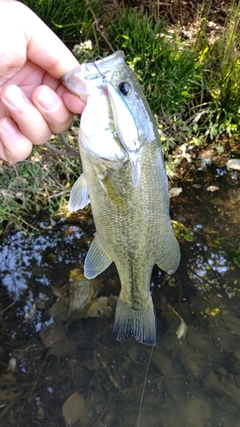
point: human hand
(33, 102)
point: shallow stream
(60, 364)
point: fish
(125, 181)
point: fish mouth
(92, 70)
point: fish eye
(125, 88)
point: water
(58, 368)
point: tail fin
(139, 323)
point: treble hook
(104, 79)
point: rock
(224, 386)
(232, 323)
(198, 412)
(195, 367)
(53, 333)
(162, 362)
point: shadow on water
(60, 364)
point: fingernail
(8, 127)
(14, 97)
(47, 99)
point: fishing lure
(126, 129)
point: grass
(71, 20)
(170, 75)
(169, 72)
(35, 186)
(222, 89)
(191, 85)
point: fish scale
(133, 227)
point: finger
(47, 50)
(14, 146)
(73, 102)
(52, 108)
(30, 121)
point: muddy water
(60, 364)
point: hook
(104, 79)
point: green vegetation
(71, 20)
(191, 83)
(35, 186)
(221, 89)
(170, 76)
(191, 86)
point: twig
(68, 147)
(37, 378)
(6, 409)
(97, 26)
(70, 151)
(7, 308)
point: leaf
(181, 331)
(7, 395)
(74, 409)
(234, 164)
(102, 306)
(175, 191)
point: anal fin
(96, 260)
(170, 259)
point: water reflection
(59, 369)
(25, 257)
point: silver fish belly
(126, 182)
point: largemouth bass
(124, 176)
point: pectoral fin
(96, 260)
(79, 195)
(169, 260)
(106, 180)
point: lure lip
(90, 70)
(67, 79)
